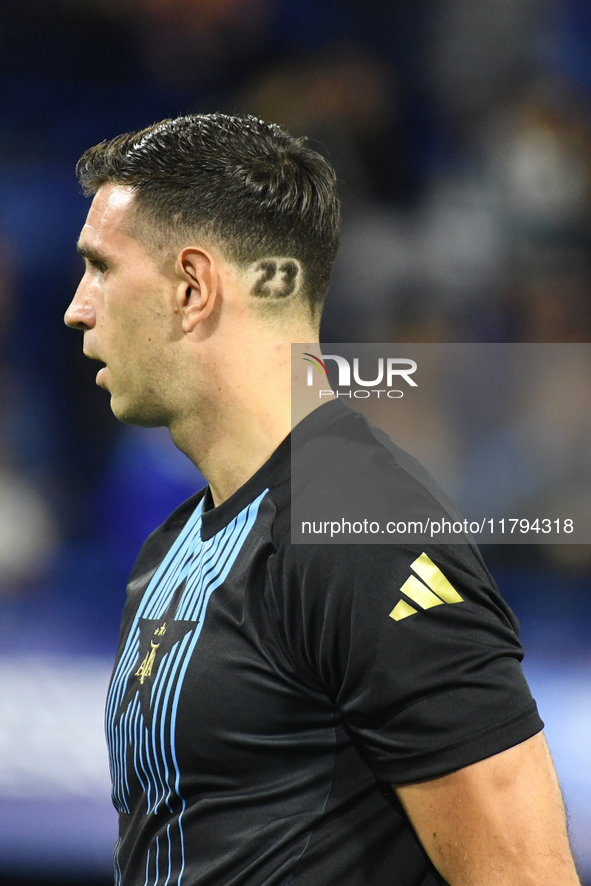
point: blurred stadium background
(461, 133)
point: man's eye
(97, 265)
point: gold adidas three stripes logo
(435, 591)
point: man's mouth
(102, 371)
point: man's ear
(198, 286)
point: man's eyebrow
(89, 253)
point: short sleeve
(415, 647)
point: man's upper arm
(499, 822)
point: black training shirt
(266, 694)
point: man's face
(124, 305)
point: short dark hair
(244, 184)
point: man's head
(266, 200)
(208, 248)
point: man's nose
(80, 313)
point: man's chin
(132, 414)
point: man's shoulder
(348, 470)
(347, 445)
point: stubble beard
(140, 407)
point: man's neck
(232, 448)
(248, 415)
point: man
(268, 721)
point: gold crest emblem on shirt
(145, 669)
